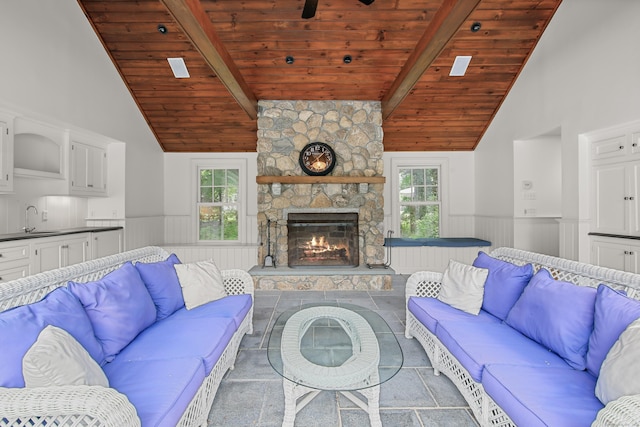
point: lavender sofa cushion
(429, 311)
(558, 315)
(613, 313)
(534, 396)
(233, 307)
(160, 390)
(161, 281)
(119, 307)
(504, 284)
(477, 344)
(22, 325)
(178, 338)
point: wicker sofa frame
(98, 406)
(624, 411)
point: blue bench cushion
(175, 338)
(477, 344)
(160, 390)
(233, 307)
(429, 311)
(534, 396)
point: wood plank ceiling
(401, 50)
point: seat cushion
(160, 390)
(504, 285)
(176, 338)
(233, 307)
(119, 307)
(534, 396)
(431, 310)
(477, 344)
(161, 281)
(613, 313)
(557, 314)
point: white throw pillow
(57, 359)
(462, 286)
(621, 368)
(201, 283)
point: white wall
(583, 75)
(180, 183)
(55, 69)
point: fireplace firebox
(323, 240)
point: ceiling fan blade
(309, 10)
(367, 2)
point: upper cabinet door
(610, 209)
(6, 157)
(88, 170)
(39, 149)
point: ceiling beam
(445, 23)
(195, 23)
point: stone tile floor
(251, 394)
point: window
(218, 204)
(420, 203)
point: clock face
(317, 158)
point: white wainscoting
(225, 257)
(407, 260)
(539, 235)
(496, 229)
(143, 231)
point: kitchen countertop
(21, 235)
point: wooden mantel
(320, 179)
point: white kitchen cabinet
(615, 207)
(55, 252)
(6, 156)
(14, 261)
(105, 243)
(619, 254)
(88, 175)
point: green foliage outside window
(217, 207)
(419, 202)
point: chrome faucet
(26, 227)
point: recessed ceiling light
(475, 27)
(289, 59)
(460, 65)
(179, 68)
(347, 59)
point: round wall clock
(317, 159)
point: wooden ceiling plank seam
(195, 23)
(444, 25)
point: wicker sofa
(167, 375)
(512, 380)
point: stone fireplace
(354, 130)
(322, 240)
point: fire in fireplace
(322, 239)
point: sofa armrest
(77, 405)
(237, 282)
(624, 411)
(423, 284)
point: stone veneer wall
(354, 130)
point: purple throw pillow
(20, 327)
(161, 281)
(119, 307)
(556, 314)
(504, 284)
(613, 313)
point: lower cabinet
(106, 243)
(55, 252)
(15, 262)
(619, 254)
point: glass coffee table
(333, 346)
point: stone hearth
(354, 130)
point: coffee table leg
(373, 403)
(293, 392)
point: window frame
(241, 166)
(443, 184)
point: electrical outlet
(114, 213)
(45, 216)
